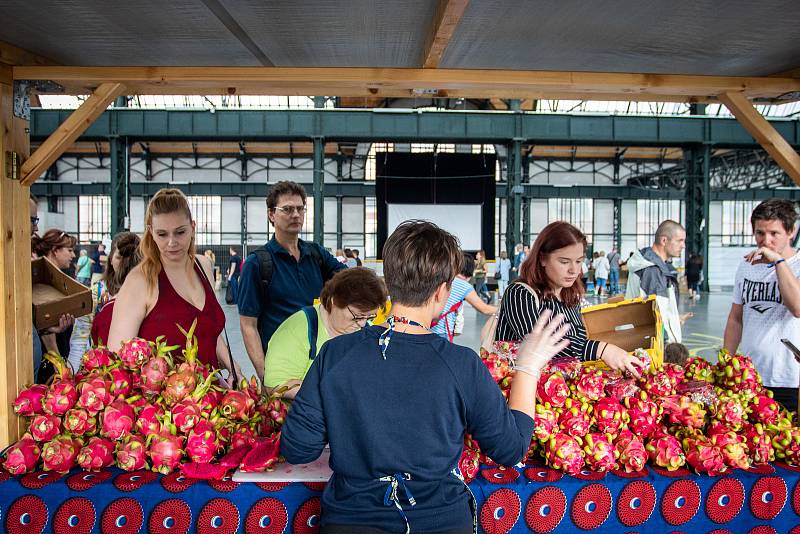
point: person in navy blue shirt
(299, 269)
(394, 402)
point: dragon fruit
(61, 396)
(148, 419)
(233, 458)
(703, 456)
(185, 414)
(165, 451)
(786, 444)
(600, 456)
(552, 389)
(758, 443)
(263, 455)
(575, 418)
(733, 448)
(154, 374)
(78, 422)
(498, 367)
(96, 358)
(29, 401)
(118, 420)
(179, 385)
(469, 463)
(764, 409)
(630, 452)
(237, 405)
(609, 415)
(202, 444)
(730, 410)
(211, 400)
(658, 383)
(60, 453)
(589, 384)
(96, 454)
(683, 412)
(699, 369)
(675, 372)
(563, 452)
(121, 382)
(203, 471)
(22, 456)
(131, 453)
(277, 409)
(643, 415)
(666, 452)
(243, 436)
(569, 366)
(134, 353)
(545, 421)
(737, 373)
(95, 394)
(621, 388)
(45, 427)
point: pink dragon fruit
(121, 382)
(131, 453)
(185, 414)
(600, 456)
(737, 373)
(135, 353)
(165, 452)
(632, 456)
(730, 410)
(95, 394)
(675, 372)
(609, 415)
(498, 367)
(699, 369)
(29, 401)
(44, 427)
(575, 418)
(733, 449)
(545, 421)
(154, 374)
(78, 422)
(118, 420)
(22, 456)
(96, 454)
(60, 453)
(666, 452)
(758, 444)
(563, 452)
(764, 409)
(703, 456)
(643, 415)
(96, 358)
(658, 383)
(621, 388)
(61, 396)
(568, 366)
(243, 436)
(469, 464)
(202, 444)
(237, 405)
(786, 444)
(277, 409)
(552, 389)
(683, 412)
(590, 384)
(211, 400)
(717, 427)
(148, 419)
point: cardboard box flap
(55, 294)
(630, 324)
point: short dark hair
(775, 209)
(676, 353)
(667, 229)
(285, 187)
(417, 258)
(467, 265)
(358, 287)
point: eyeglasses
(288, 210)
(361, 319)
(34, 220)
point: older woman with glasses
(348, 302)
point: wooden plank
(412, 82)
(448, 15)
(69, 131)
(763, 132)
(14, 55)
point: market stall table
(533, 498)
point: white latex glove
(545, 341)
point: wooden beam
(448, 15)
(763, 132)
(69, 131)
(406, 83)
(13, 55)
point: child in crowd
(676, 353)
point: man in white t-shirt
(766, 300)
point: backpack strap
(265, 270)
(317, 255)
(313, 329)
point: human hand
(618, 359)
(545, 341)
(686, 316)
(64, 322)
(762, 255)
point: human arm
(225, 359)
(476, 302)
(304, 434)
(733, 329)
(231, 270)
(125, 326)
(788, 282)
(250, 307)
(252, 343)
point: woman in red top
(170, 287)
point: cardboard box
(56, 294)
(629, 324)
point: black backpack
(265, 267)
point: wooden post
(16, 363)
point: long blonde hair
(163, 202)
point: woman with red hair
(550, 279)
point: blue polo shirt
(294, 284)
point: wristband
(528, 371)
(774, 263)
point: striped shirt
(519, 312)
(459, 290)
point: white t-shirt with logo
(765, 321)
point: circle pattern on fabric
(545, 509)
(306, 520)
(123, 516)
(75, 515)
(636, 503)
(267, 516)
(587, 474)
(175, 482)
(315, 486)
(170, 517)
(725, 500)
(500, 475)
(591, 506)
(225, 485)
(272, 486)
(83, 480)
(636, 474)
(720, 531)
(768, 497)
(133, 480)
(796, 498)
(678, 473)
(543, 474)
(795, 530)
(218, 516)
(4, 475)
(39, 479)
(762, 529)
(27, 515)
(680, 502)
(501, 511)
(788, 467)
(761, 469)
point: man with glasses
(283, 276)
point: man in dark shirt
(99, 258)
(298, 270)
(234, 270)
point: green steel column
(243, 232)
(697, 198)
(514, 195)
(617, 224)
(339, 237)
(120, 167)
(319, 183)
(704, 230)
(526, 202)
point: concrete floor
(702, 333)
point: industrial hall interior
(251, 252)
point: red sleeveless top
(171, 310)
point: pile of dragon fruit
(708, 417)
(149, 406)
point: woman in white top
(601, 270)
